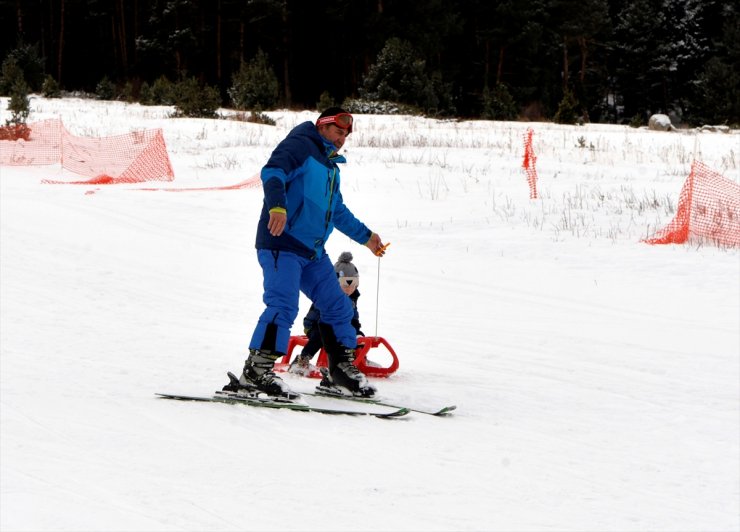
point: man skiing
(302, 206)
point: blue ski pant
(285, 275)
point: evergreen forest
(615, 61)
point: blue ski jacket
(302, 177)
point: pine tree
(716, 89)
(400, 75)
(255, 85)
(19, 105)
(637, 31)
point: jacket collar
(326, 147)
(333, 155)
(331, 151)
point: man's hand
(276, 224)
(376, 245)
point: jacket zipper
(332, 177)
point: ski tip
(179, 397)
(396, 413)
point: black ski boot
(346, 375)
(342, 372)
(258, 376)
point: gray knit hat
(344, 266)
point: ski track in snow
(596, 377)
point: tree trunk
(178, 52)
(500, 67)
(61, 41)
(565, 64)
(286, 55)
(584, 53)
(42, 38)
(48, 46)
(19, 17)
(241, 41)
(115, 42)
(486, 62)
(122, 35)
(218, 41)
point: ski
(271, 402)
(329, 392)
(328, 389)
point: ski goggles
(342, 120)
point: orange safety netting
(708, 208)
(529, 164)
(252, 182)
(129, 158)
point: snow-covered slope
(596, 377)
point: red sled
(364, 345)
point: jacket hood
(309, 130)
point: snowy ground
(596, 377)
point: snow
(596, 377)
